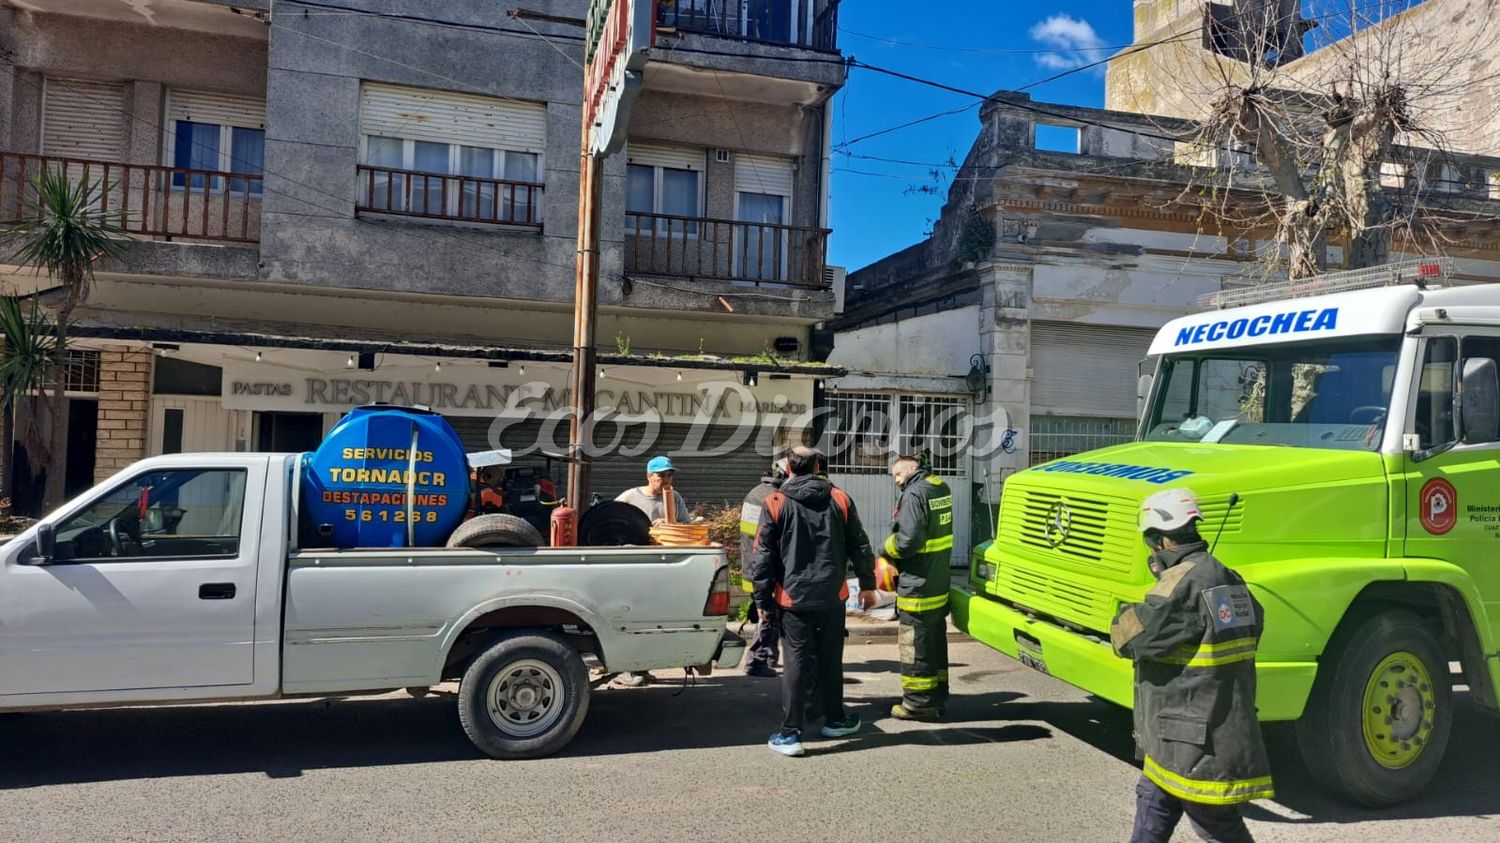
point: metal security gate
(867, 430)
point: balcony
(701, 248)
(170, 203)
(779, 22)
(439, 196)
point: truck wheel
(496, 530)
(524, 697)
(1381, 709)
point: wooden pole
(585, 306)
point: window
(1310, 395)
(181, 513)
(664, 191)
(207, 146)
(1434, 411)
(480, 199)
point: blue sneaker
(788, 745)
(842, 728)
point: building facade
(1068, 238)
(332, 203)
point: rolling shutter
(218, 109)
(757, 174)
(1085, 370)
(84, 120)
(444, 117)
(701, 480)
(675, 157)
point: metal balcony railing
(440, 196)
(763, 21)
(757, 253)
(151, 200)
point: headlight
(985, 571)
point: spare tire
(496, 530)
(612, 524)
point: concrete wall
(1445, 49)
(934, 345)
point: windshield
(1306, 395)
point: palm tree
(29, 356)
(63, 231)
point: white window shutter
(1085, 370)
(216, 109)
(445, 117)
(660, 155)
(83, 119)
(758, 174)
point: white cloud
(1075, 41)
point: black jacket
(921, 542)
(1193, 641)
(809, 534)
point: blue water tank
(357, 482)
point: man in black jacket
(809, 534)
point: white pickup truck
(180, 580)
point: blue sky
(873, 211)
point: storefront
(721, 427)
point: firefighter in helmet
(1193, 640)
(919, 548)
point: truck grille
(1043, 592)
(1097, 532)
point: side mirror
(46, 546)
(1479, 392)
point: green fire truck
(1343, 437)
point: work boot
(760, 669)
(901, 712)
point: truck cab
(1345, 448)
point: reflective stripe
(748, 528)
(1208, 792)
(921, 604)
(890, 547)
(1214, 654)
(933, 545)
(923, 683)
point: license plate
(1032, 660)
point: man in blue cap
(649, 498)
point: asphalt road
(1022, 758)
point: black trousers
(814, 644)
(923, 640)
(765, 646)
(1157, 813)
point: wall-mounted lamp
(978, 378)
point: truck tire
(1377, 723)
(524, 697)
(496, 530)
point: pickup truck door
(152, 585)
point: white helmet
(1169, 511)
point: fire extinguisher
(564, 526)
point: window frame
(664, 227)
(219, 184)
(498, 159)
(1459, 335)
(245, 484)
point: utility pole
(617, 35)
(585, 309)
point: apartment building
(333, 203)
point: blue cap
(658, 465)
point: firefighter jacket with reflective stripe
(809, 536)
(1193, 642)
(921, 543)
(750, 523)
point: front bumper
(1281, 687)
